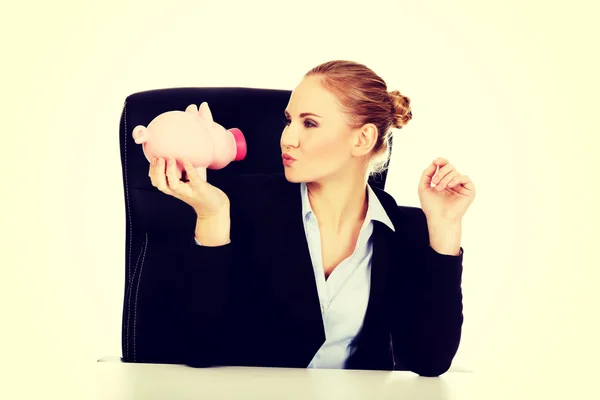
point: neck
(339, 204)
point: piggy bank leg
(201, 173)
(180, 171)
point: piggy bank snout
(240, 144)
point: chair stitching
(128, 218)
(137, 262)
(392, 352)
(137, 291)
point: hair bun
(401, 109)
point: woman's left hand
(452, 195)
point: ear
(192, 109)
(204, 112)
(365, 140)
(140, 134)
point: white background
(507, 91)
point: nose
(290, 137)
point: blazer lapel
(384, 245)
(372, 348)
(292, 281)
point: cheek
(322, 154)
(326, 147)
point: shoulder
(409, 221)
(398, 212)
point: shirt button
(322, 308)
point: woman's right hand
(206, 199)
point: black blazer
(254, 302)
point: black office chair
(149, 324)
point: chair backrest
(259, 114)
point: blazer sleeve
(427, 305)
(217, 286)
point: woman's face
(317, 138)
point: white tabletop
(118, 381)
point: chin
(291, 176)
(294, 175)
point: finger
(443, 183)
(457, 180)
(440, 162)
(173, 179)
(152, 171)
(462, 184)
(192, 174)
(151, 167)
(442, 172)
(160, 178)
(425, 182)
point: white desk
(120, 381)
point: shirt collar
(375, 211)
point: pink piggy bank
(193, 135)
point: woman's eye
(307, 123)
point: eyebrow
(304, 114)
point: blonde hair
(364, 98)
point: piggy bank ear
(140, 134)
(191, 109)
(205, 113)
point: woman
(318, 269)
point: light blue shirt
(345, 294)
